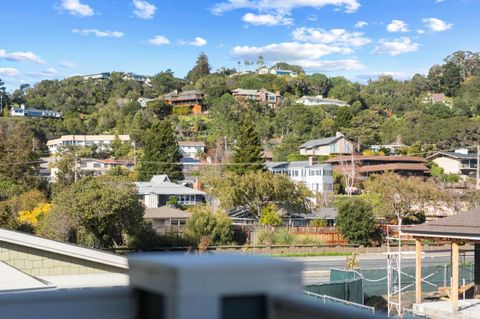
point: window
(96, 165)
(328, 172)
(186, 199)
(333, 148)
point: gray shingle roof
(295, 164)
(320, 142)
(454, 155)
(165, 212)
(160, 185)
(462, 226)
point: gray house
(337, 144)
(157, 192)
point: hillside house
(93, 166)
(319, 100)
(315, 176)
(192, 98)
(157, 192)
(337, 144)
(459, 162)
(29, 112)
(167, 218)
(261, 96)
(191, 149)
(278, 72)
(101, 141)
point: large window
(186, 199)
(333, 148)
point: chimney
(312, 160)
(197, 185)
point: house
(97, 76)
(191, 149)
(260, 96)
(139, 78)
(29, 112)
(458, 162)
(393, 147)
(157, 192)
(102, 141)
(277, 72)
(315, 176)
(143, 101)
(319, 100)
(167, 218)
(192, 98)
(363, 166)
(337, 144)
(433, 98)
(93, 166)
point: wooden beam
(454, 293)
(476, 272)
(418, 271)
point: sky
(358, 39)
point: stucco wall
(449, 165)
(42, 263)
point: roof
(361, 158)
(320, 142)
(191, 143)
(394, 167)
(325, 213)
(245, 91)
(116, 162)
(295, 164)
(321, 100)
(161, 185)
(438, 97)
(62, 248)
(453, 155)
(461, 226)
(165, 212)
(14, 279)
(190, 92)
(110, 138)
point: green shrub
(318, 222)
(270, 216)
(356, 222)
(182, 110)
(217, 226)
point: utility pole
(1, 102)
(478, 168)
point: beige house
(102, 141)
(260, 96)
(167, 218)
(338, 144)
(459, 162)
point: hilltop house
(459, 162)
(367, 165)
(316, 177)
(157, 192)
(191, 149)
(337, 144)
(278, 72)
(102, 141)
(260, 96)
(93, 166)
(29, 112)
(319, 100)
(193, 99)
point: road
(317, 269)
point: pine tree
(161, 154)
(200, 69)
(248, 149)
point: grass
(313, 254)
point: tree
(165, 82)
(201, 68)
(452, 79)
(204, 223)
(255, 190)
(161, 154)
(95, 211)
(3, 96)
(270, 216)
(356, 222)
(247, 155)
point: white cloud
(397, 26)
(333, 36)
(288, 51)
(267, 19)
(396, 46)
(11, 72)
(198, 42)
(158, 40)
(283, 5)
(144, 9)
(99, 33)
(21, 57)
(361, 24)
(50, 72)
(420, 31)
(68, 65)
(76, 8)
(436, 25)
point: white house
(337, 144)
(278, 72)
(29, 112)
(319, 100)
(316, 177)
(102, 141)
(92, 166)
(459, 162)
(157, 192)
(191, 149)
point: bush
(217, 226)
(270, 216)
(182, 110)
(281, 236)
(318, 222)
(356, 222)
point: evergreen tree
(200, 69)
(161, 154)
(248, 149)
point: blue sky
(359, 39)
